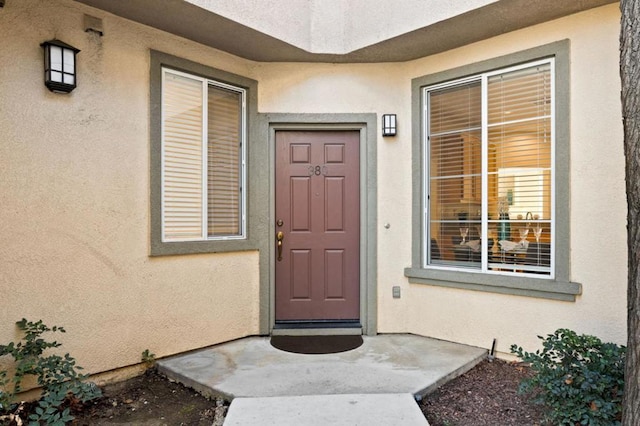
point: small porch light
(59, 66)
(388, 125)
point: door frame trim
(366, 124)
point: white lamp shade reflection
(56, 58)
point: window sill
(518, 286)
(159, 248)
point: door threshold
(316, 331)
(317, 328)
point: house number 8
(317, 170)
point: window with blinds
(202, 159)
(489, 170)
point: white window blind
(455, 165)
(202, 154)
(182, 158)
(490, 172)
(224, 163)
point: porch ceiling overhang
(474, 21)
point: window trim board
(519, 286)
(497, 283)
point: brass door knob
(279, 239)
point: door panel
(300, 201)
(317, 200)
(300, 274)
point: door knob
(280, 238)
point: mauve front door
(317, 226)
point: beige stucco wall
(74, 203)
(75, 197)
(338, 26)
(598, 206)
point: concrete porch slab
(384, 364)
(322, 410)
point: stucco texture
(598, 206)
(75, 193)
(75, 200)
(337, 26)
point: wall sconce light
(389, 125)
(59, 66)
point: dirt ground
(151, 400)
(486, 395)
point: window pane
(520, 95)
(520, 169)
(182, 158)
(454, 108)
(224, 162)
(455, 178)
(518, 151)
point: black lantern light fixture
(59, 66)
(389, 125)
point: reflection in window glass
(490, 172)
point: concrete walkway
(373, 384)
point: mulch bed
(486, 395)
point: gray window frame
(559, 288)
(158, 247)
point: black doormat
(316, 344)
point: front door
(317, 226)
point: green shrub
(5, 397)
(57, 375)
(148, 358)
(578, 378)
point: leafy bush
(57, 375)
(5, 397)
(580, 379)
